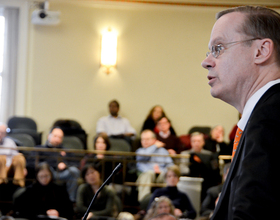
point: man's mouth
(211, 79)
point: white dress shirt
(8, 148)
(114, 125)
(251, 103)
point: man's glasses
(218, 49)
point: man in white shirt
(12, 163)
(244, 70)
(114, 125)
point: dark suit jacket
(251, 190)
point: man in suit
(244, 70)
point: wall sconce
(109, 49)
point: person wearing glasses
(244, 70)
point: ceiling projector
(45, 17)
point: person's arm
(129, 130)
(143, 164)
(145, 151)
(100, 126)
(80, 201)
(188, 211)
(108, 210)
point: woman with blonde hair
(160, 205)
(180, 200)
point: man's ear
(264, 50)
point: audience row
(68, 170)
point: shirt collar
(251, 103)
(164, 135)
(110, 116)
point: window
(2, 34)
(9, 20)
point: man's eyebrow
(216, 41)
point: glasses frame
(217, 49)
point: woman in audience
(160, 205)
(43, 198)
(106, 204)
(181, 202)
(151, 121)
(101, 143)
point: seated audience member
(167, 140)
(216, 143)
(160, 205)
(102, 143)
(209, 203)
(148, 166)
(12, 163)
(202, 163)
(114, 125)
(67, 170)
(151, 121)
(181, 202)
(106, 204)
(43, 198)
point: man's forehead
(226, 28)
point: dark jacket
(37, 199)
(251, 190)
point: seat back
(202, 129)
(22, 123)
(24, 140)
(119, 145)
(72, 142)
(71, 127)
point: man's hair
(175, 169)
(56, 127)
(196, 133)
(260, 22)
(149, 131)
(162, 118)
(116, 102)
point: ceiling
(204, 3)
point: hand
(90, 215)
(156, 168)
(53, 212)
(159, 144)
(63, 153)
(178, 212)
(171, 151)
(128, 134)
(61, 166)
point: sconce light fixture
(109, 49)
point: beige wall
(160, 50)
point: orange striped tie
(238, 135)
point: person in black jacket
(180, 200)
(244, 71)
(44, 198)
(64, 165)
